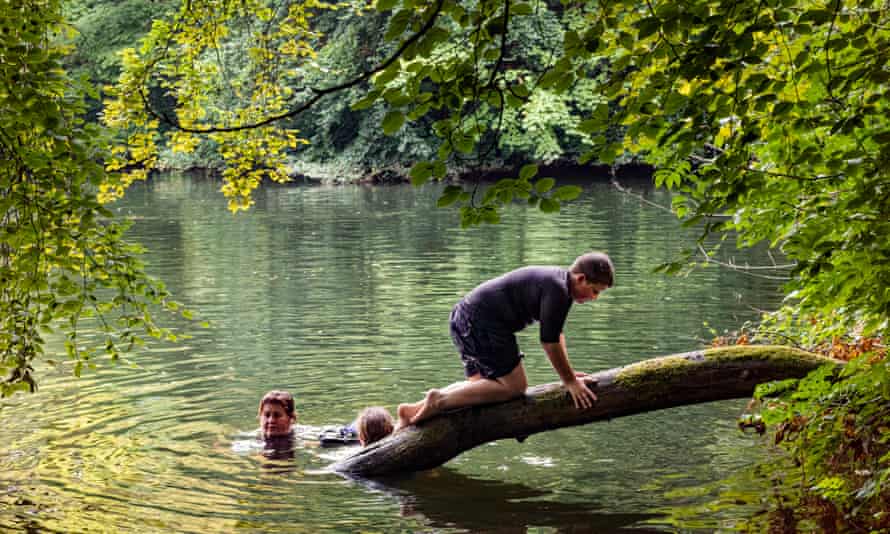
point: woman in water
(276, 414)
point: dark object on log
(334, 436)
(690, 378)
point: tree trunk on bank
(690, 378)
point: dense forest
(345, 141)
(768, 120)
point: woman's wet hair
(281, 398)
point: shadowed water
(341, 295)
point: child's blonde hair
(374, 424)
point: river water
(342, 295)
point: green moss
(649, 375)
(780, 355)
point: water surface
(341, 295)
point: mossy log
(677, 380)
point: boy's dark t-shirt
(516, 299)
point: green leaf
(397, 24)
(519, 90)
(439, 169)
(544, 184)
(490, 216)
(566, 193)
(421, 172)
(551, 78)
(387, 75)
(648, 26)
(464, 143)
(548, 205)
(522, 9)
(386, 5)
(392, 122)
(448, 197)
(396, 98)
(528, 171)
(608, 154)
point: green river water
(342, 295)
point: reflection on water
(341, 296)
(447, 499)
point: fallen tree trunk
(690, 378)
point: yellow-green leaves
(218, 101)
(64, 262)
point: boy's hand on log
(586, 378)
(581, 394)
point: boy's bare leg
(476, 390)
(407, 411)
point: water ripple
(342, 296)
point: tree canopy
(63, 259)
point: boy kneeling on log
(484, 325)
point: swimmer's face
(274, 420)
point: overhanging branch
(318, 94)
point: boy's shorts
(484, 351)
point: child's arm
(559, 359)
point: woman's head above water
(276, 414)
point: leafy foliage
(837, 426)
(775, 115)
(433, 49)
(768, 119)
(63, 260)
(102, 28)
(190, 59)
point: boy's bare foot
(431, 406)
(405, 413)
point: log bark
(676, 380)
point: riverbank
(323, 174)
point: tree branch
(695, 377)
(318, 93)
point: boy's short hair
(374, 424)
(596, 267)
(281, 398)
